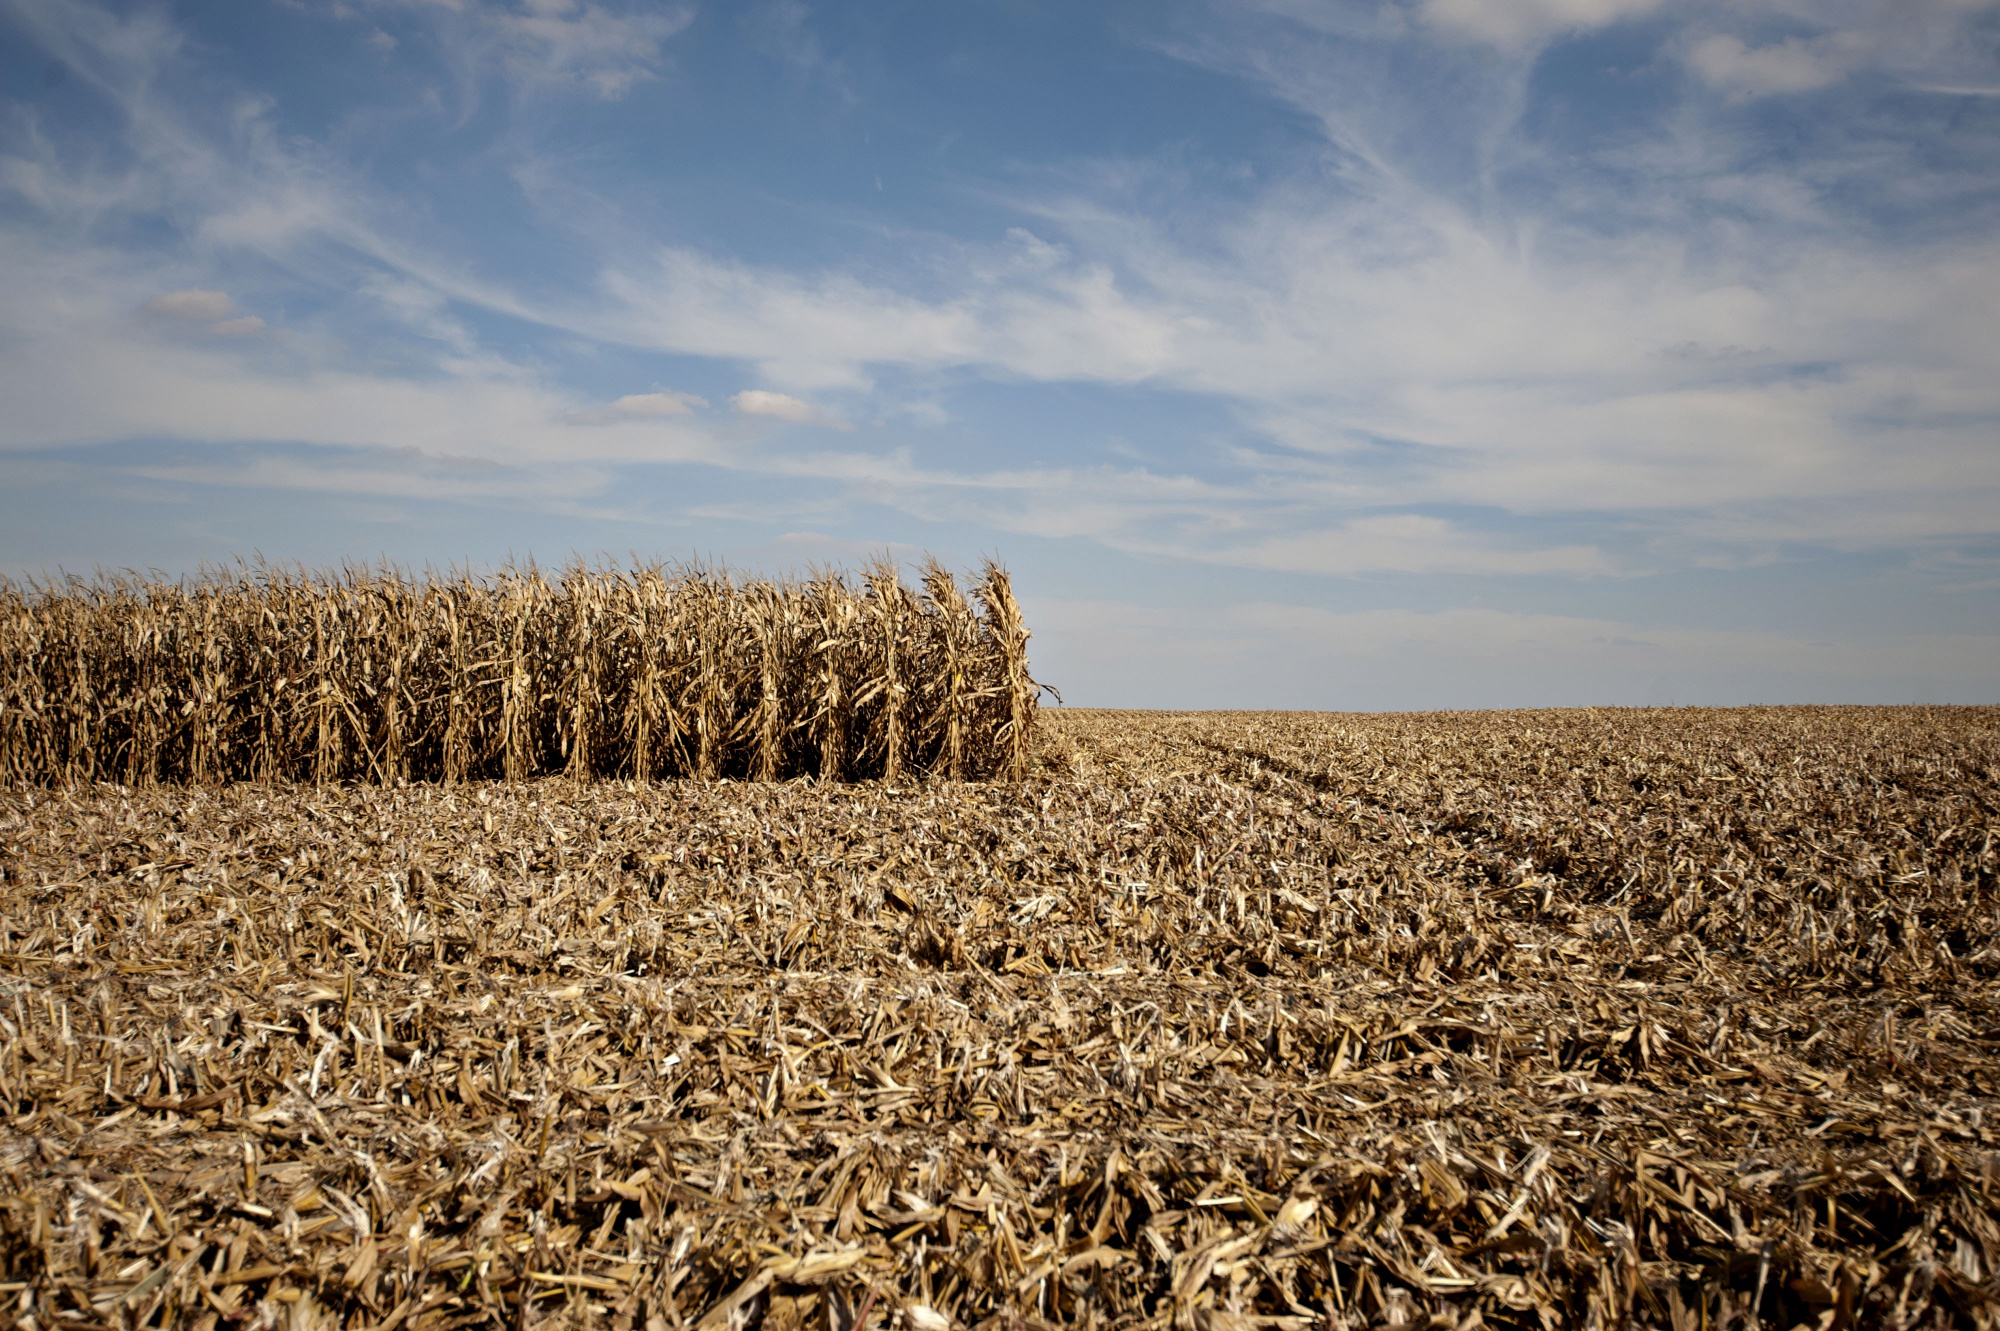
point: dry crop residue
(1679, 1018)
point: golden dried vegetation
(1683, 1019)
(369, 675)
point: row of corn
(266, 674)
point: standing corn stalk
(889, 605)
(209, 718)
(1017, 687)
(455, 745)
(399, 620)
(707, 611)
(581, 685)
(325, 689)
(268, 641)
(364, 636)
(955, 632)
(521, 601)
(834, 616)
(147, 702)
(772, 616)
(368, 675)
(79, 701)
(25, 751)
(648, 706)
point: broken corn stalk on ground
(1679, 1019)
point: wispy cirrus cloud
(607, 49)
(1413, 543)
(1537, 292)
(604, 48)
(1608, 380)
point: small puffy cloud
(1518, 24)
(213, 309)
(194, 304)
(645, 406)
(782, 406)
(640, 407)
(758, 402)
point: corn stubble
(649, 673)
(1681, 1019)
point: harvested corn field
(370, 675)
(1680, 1018)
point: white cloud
(1384, 345)
(640, 407)
(1411, 543)
(1792, 65)
(1925, 45)
(801, 331)
(82, 372)
(1023, 304)
(1537, 383)
(1518, 24)
(646, 406)
(202, 306)
(779, 406)
(385, 473)
(543, 44)
(212, 309)
(606, 49)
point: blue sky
(1404, 354)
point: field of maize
(1678, 1018)
(371, 675)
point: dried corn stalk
(266, 674)
(1588, 1018)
